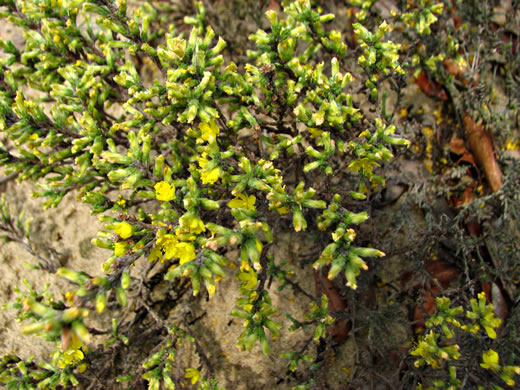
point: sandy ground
(68, 229)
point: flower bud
(312, 165)
(314, 204)
(125, 280)
(369, 252)
(121, 296)
(209, 204)
(299, 221)
(353, 218)
(101, 302)
(75, 277)
(81, 331)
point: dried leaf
(486, 288)
(443, 272)
(340, 330)
(428, 306)
(482, 149)
(431, 88)
(452, 68)
(457, 146)
(459, 73)
(274, 5)
(457, 22)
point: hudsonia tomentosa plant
(208, 156)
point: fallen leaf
(430, 88)
(452, 68)
(474, 227)
(340, 330)
(428, 306)
(459, 73)
(457, 22)
(482, 149)
(274, 5)
(457, 146)
(443, 272)
(486, 289)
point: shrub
(216, 153)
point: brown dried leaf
(457, 146)
(459, 73)
(431, 88)
(340, 330)
(482, 149)
(274, 5)
(428, 305)
(443, 272)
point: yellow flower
(164, 191)
(124, 230)
(168, 245)
(73, 353)
(70, 357)
(69, 296)
(203, 159)
(185, 252)
(120, 248)
(363, 164)
(193, 374)
(209, 131)
(512, 145)
(490, 360)
(242, 201)
(155, 254)
(211, 176)
(249, 279)
(282, 210)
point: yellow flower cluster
(178, 245)
(168, 246)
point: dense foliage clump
(198, 153)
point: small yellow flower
(210, 177)
(282, 210)
(209, 131)
(203, 159)
(366, 165)
(193, 375)
(155, 254)
(490, 360)
(120, 248)
(512, 145)
(212, 288)
(168, 244)
(242, 201)
(69, 296)
(164, 191)
(185, 252)
(124, 230)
